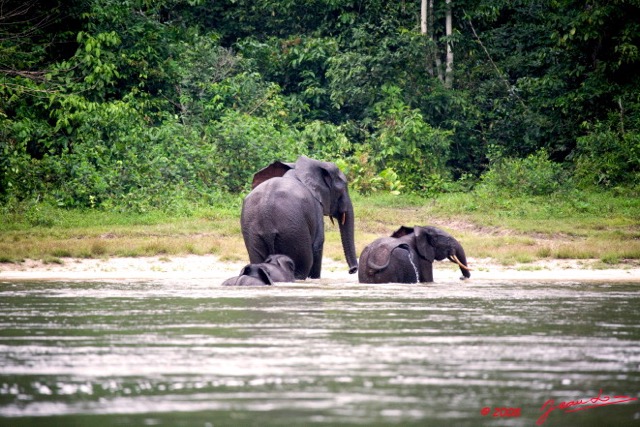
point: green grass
(511, 231)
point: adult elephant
(407, 256)
(283, 214)
(276, 268)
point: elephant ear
(285, 263)
(274, 170)
(424, 244)
(380, 252)
(402, 231)
(258, 272)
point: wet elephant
(283, 214)
(276, 268)
(407, 256)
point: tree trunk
(434, 46)
(448, 82)
(425, 28)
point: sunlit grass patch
(524, 258)
(98, 248)
(232, 249)
(233, 257)
(4, 259)
(191, 249)
(529, 268)
(575, 252)
(157, 247)
(544, 252)
(52, 260)
(610, 259)
(61, 252)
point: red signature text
(581, 405)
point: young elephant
(407, 256)
(276, 268)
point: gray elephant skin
(407, 256)
(276, 268)
(283, 214)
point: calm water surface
(194, 354)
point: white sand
(209, 267)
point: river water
(189, 353)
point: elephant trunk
(346, 222)
(462, 261)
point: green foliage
(246, 144)
(127, 164)
(607, 159)
(140, 105)
(326, 141)
(364, 178)
(298, 64)
(407, 144)
(535, 175)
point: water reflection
(194, 354)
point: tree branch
(498, 71)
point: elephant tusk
(344, 217)
(331, 219)
(457, 261)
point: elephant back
(379, 252)
(388, 260)
(244, 280)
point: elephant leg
(259, 246)
(365, 273)
(426, 271)
(316, 267)
(317, 249)
(296, 244)
(403, 266)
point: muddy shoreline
(210, 267)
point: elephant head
(328, 185)
(276, 268)
(435, 244)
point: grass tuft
(52, 260)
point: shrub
(325, 141)
(363, 177)
(604, 158)
(534, 175)
(406, 143)
(246, 144)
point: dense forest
(136, 104)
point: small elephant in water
(407, 256)
(276, 268)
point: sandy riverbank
(209, 267)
